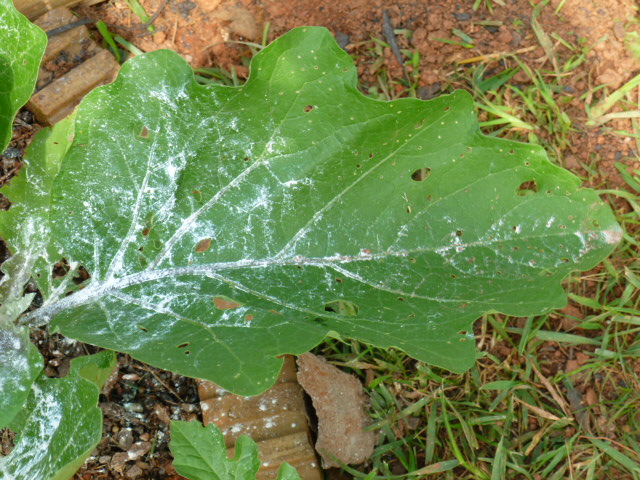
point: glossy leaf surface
(22, 45)
(60, 424)
(224, 226)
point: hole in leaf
(187, 353)
(143, 329)
(183, 345)
(308, 108)
(342, 307)
(421, 174)
(60, 269)
(339, 280)
(225, 303)
(81, 276)
(246, 159)
(203, 245)
(527, 188)
(458, 233)
(371, 155)
(400, 299)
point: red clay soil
(204, 32)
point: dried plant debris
(339, 401)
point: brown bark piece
(35, 8)
(339, 401)
(276, 420)
(60, 97)
(73, 44)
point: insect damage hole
(308, 108)
(421, 174)
(342, 307)
(527, 188)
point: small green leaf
(60, 424)
(22, 45)
(301, 208)
(20, 365)
(200, 454)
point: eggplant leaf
(60, 424)
(20, 365)
(200, 454)
(22, 45)
(224, 226)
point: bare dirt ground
(141, 400)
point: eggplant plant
(209, 229)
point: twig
(390, 36)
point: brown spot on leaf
(249, 317)
(144, 133)
(203, 245)
(225, 303)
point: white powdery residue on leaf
(13, 359)
(611, 237)
(47, 417)
(297, 182)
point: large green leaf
(60, 424)
(200, 454)
(224, 226)
(22, 45)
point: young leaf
(224, 226)
(200, 454)
(60, 424)
(22, 45)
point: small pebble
(342, 39)
(463, 16)
(12, 152)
